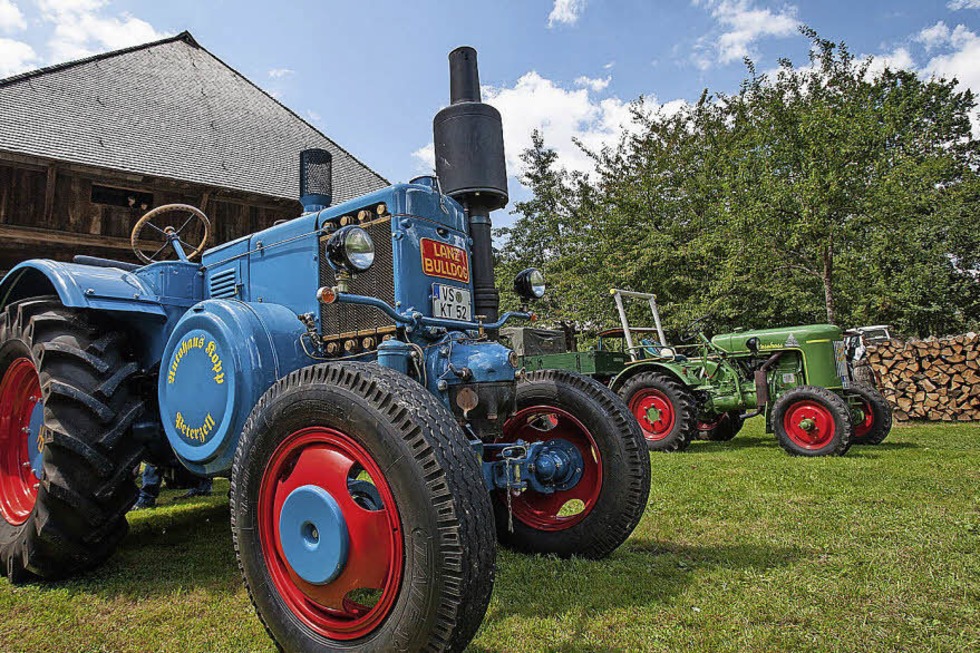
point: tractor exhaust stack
(315, 180)
(470, 164)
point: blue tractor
(342, 369)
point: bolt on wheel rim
(561, 509)
(809, 424)
(21, 440)
(343, 593)
(655, 413)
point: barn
(88, 146)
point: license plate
(451, 303)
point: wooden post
(49, 189)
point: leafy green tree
(823, 192)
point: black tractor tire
(88, 453)
(880, 412)
(829, 430)
(682, 421)
(727, 427)
(436, 482)
(625, 465)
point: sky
(372, 74)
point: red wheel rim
(655, 413)
(327, 458)
(20, 394)
(543, 511)
(862, 429)
(809, 424)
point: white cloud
(742, 23)
(562, 115)
(566, 12)
(313, 116)
(596, 84)
(279, 73)
(83, 27)
(898, 59)
(11, 19)
(956, 5)
(962, 61)
(16, 57)
(425, 156)
(933, 37)
(609, 66)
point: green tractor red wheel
(812, 421)
(594, 516)
(722, 428)
(359, 514)
(653, 410)
(664, 408)
(872, 415)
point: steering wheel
(694, 328)
(170, 236)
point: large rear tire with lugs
(359, 515)
(67, 405)
(596, 515)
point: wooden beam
(33, 236)
(49, 188)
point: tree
(831, 191)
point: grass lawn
(742, 549)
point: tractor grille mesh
(347, 320)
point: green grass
(742, 549)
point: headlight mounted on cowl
(529, 284)
(350, 249)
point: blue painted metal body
(545, 467)
(221, 332)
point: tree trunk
(828, 283)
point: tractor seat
(653, 348)
(97, 262)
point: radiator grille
(346, 320)
(224, 284)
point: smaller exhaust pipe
(315, 180)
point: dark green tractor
(799, 378)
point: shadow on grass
(172, 550)
(642, 574)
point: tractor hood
(781, 338)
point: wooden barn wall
(23, 193)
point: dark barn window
(121, 197)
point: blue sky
(371, 74)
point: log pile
(933, 379)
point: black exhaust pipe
(470, 164)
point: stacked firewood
(933, 379)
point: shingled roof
(168, 109)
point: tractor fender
(220, 359)
(81, 286)
(679, 372)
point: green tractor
(798, 377)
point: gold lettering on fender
(197, 342)
(198, 434)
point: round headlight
(529, 284)
(351, 249)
